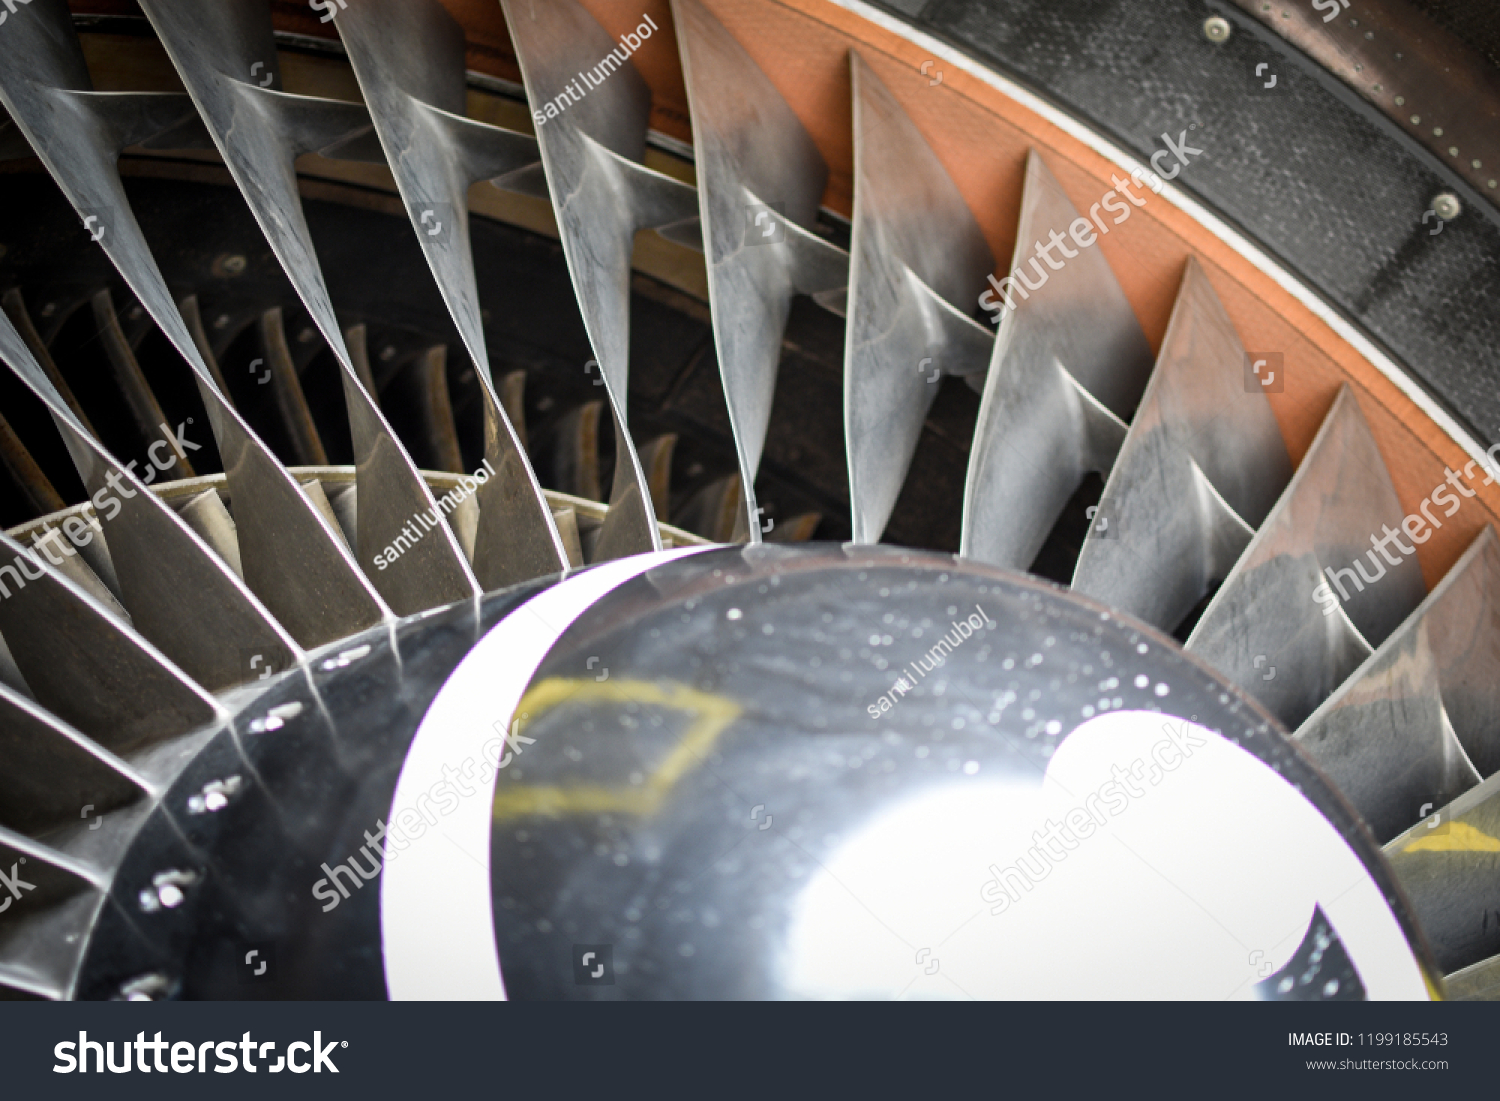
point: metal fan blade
(207, 515)
(182, 596)
(193, 318)
(145, 410)
(567, 524)
(513, 401)
(1463, 628)
(917, 261)
(1201, 467)
(408, 56)
(1054, 431)
(1479, 982)
(42, 936)
(20, 317)
(1267, 616)
(1387, 738)
(760, 180)
(602, 195)
(286, 386)
(591, 152)
(1036, 436)
(575, 452)
(56, 548)
(357, 340)
(304, 572)
(714, 511)
(656, 460)
(86, 666)
(436, 408)
(798, 529)
(27, 473)
(630, 525)
(293, 561)
(1449, 866)
(52, 770)
(260, 131)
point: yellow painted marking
(1459, 837)
(712, 714)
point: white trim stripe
(437, 921)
